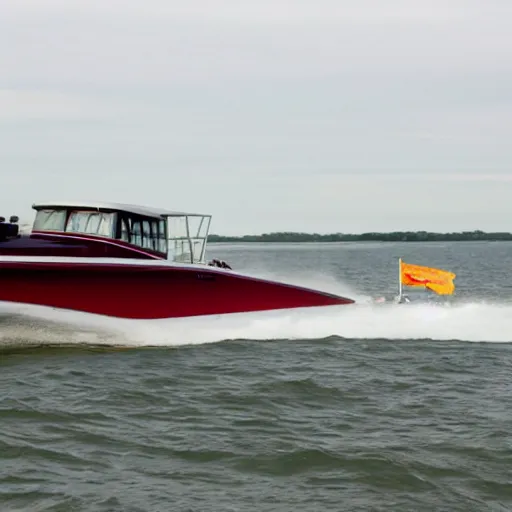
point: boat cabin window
(162, 236)
(144, 232)
(146, 235)
(125, 230)
(50, 220)
(91, 223)
(135, 232)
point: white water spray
(477, 322)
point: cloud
(18, 105)
(264, 11)
(286, 114)
(157, 43)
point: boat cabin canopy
(178, 236)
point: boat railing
(187, 236)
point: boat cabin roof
(118, 207)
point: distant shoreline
(395, 236)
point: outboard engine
(9, 229)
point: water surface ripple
(320, 423)
(244, 425)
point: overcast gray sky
(318, 115)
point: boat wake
(473, 322)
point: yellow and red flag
(435, 279)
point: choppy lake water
(369, 408)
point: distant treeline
(395, 236)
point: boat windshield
(50, 220)
(78, 221)
(186, 237)
(92, 223)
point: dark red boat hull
(149, 291)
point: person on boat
(219, 263)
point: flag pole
(399, 279)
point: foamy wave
(475, 322)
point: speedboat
(133, 262)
